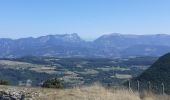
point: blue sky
(88, 18)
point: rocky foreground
(95, 92)
(19, 93)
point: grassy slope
(95, 92)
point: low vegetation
(4, 82)
(94, 92)
(53, 83)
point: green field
(74, 71)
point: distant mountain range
(71, 45)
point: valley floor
(95, 92)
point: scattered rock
(13, 94)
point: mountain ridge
(72, 45)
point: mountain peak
(71, 36)
(74, 37)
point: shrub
(4, 82)
(53, 83)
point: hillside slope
(157, 74)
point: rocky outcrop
(11, 95)
(18, 94)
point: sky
(88, 18)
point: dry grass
(151, 96)
(95, 92)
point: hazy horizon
(85, 38)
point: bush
(3, 82)
(53, 83)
